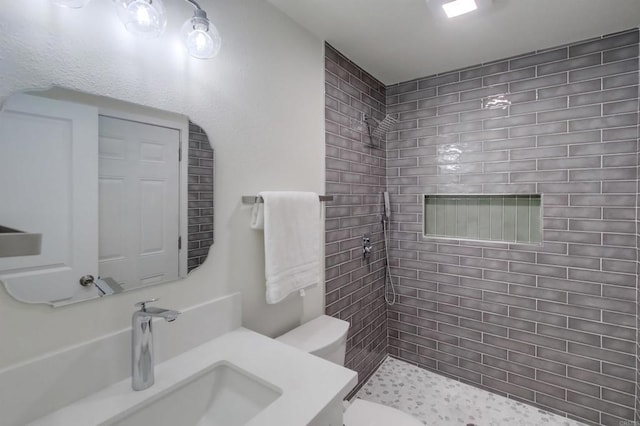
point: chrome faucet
(142, 364)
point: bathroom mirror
(120, 196)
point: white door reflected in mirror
(139, 220)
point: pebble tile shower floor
(439, 401)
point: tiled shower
(355, 176)
(552, 324)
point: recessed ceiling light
(459, 7)
(444, 9)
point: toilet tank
(324, 336)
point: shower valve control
(367, 247)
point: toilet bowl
(326, 337)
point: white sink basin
(239, 378)
(223, 395)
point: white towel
(292, 230)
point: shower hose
(389, 289)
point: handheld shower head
(387, 206)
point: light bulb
(142, 16)
(201, 41)
(74, 4)
(201, 36)
(145, 18)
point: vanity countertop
(308, 383)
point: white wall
(260, 101)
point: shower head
(379, 129)
(384, 127)
(387, 206)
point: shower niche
(509, 218)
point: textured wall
(201, 190)
(260, 142)
(553, 325)
(355, 176)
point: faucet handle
(143, 305)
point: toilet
(326, 337)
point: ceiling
(399, 40)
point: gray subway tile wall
(556, 325)
(200, 193)
(627, 243)
(355, 176)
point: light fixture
(147, 18)
(451, 8)
(459, 7)
(200, 35)
(74, 4)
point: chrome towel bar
(252, 199)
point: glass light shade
(146, 18)
(201, 37)
(74, 4)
